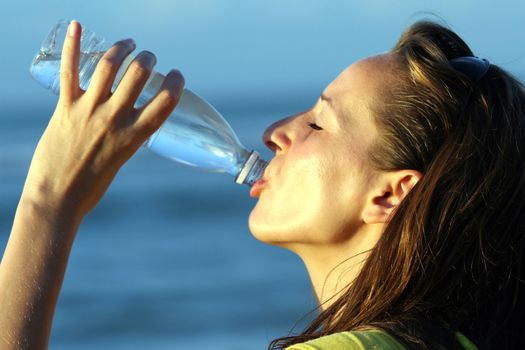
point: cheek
(291, 201)
(302, 204)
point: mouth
(259, 185)
(257, 188)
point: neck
(333, 267)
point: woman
(402, 190)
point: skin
(321, 198)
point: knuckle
(167, 100)
(138, 68)
(117, 110)
(66, 74)
(107, 65)
(143, 63)
(102, 124)
(149, 128)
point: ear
(386, 194)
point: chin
(265, 231)
(259, 230)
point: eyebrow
(330, 102)
(327, 99)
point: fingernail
(131, 42)
(149, 57)
(178, 82)
(178, 74)
(73, 28)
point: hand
(93, 133)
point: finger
(131, 85)
(154, 113)
(69, 87)
(107, 68)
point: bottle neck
(252, 170)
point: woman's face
(315, 188)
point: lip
(257, 188)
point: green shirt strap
(465, 342)
(374, 339)
(354, 340)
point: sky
(245, 51)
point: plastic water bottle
(194, 134)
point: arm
(89, 137)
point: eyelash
(314, 126)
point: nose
(277, 136)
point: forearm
(32, 271)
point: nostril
(276, 136)
(272, 145)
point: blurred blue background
(166, 260)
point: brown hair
(450, 258)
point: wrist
(51, 203)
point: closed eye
(314, 126)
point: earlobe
(389, 192)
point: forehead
(359, 87)
(364, 78)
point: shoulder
(374, 339)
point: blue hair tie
(473, 67)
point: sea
(166, 260)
